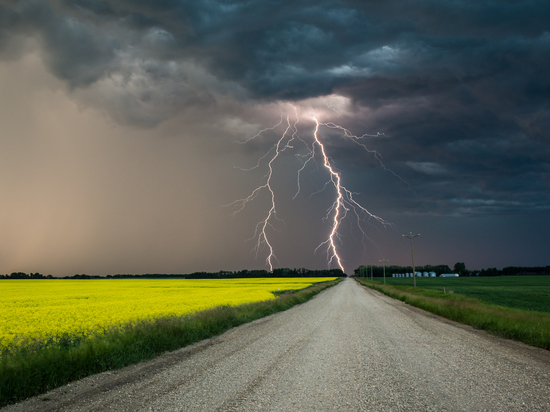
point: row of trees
(516, 271)
(378, 271)
(22, 275)
(459, 267)
(277, 273)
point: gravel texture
(347, 349)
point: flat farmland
(519, 292)
(349, 348)
(50, 311)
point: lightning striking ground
(343, 203)
(260, 233)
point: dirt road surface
(348, 349)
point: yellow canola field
(48, 309)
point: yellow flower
(48, 309)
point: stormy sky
(123, 122)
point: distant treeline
(378, 271)
(21, 275)
(277, 273)
(460, 268)
(516, 271)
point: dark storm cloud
(294, 50)
(75, 51)
(453, 85)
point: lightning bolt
(344, 201)
(337, 207)
(343, 204)
(377, 156)
(260, 233)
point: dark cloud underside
(459, 90)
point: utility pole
(384, 263)
(371, 271)
(411, 236)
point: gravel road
(347, 349)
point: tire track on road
(347, 349)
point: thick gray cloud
(458, 90)
(374, 52)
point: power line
(411, 236)
(384, 263)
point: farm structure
(410, 275)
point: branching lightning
(260, 233)
(344, 201)
(343, 204)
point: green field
(520, 292)
(528, 326)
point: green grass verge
(529, 327)
(520, 292)
(37, 368)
